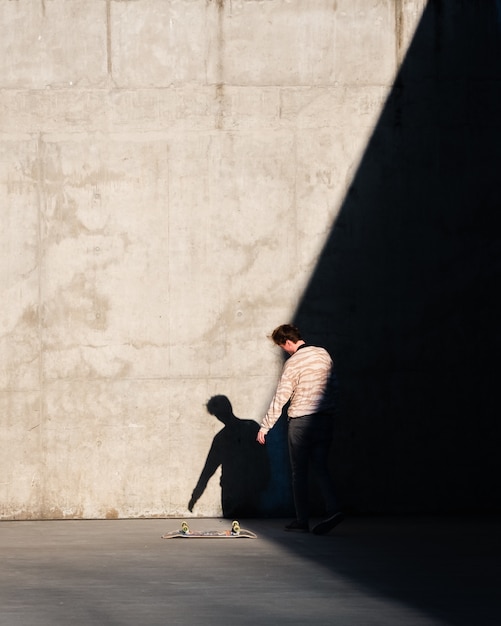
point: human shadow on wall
(405, 295)
(243, 462)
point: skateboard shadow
(244, 463)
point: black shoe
(297, 527)
(328, 524)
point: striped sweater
(307, 381)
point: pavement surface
(417, 571)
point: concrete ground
(387, 571)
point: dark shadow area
(405, 295)
(244, 463)
(277, 499)
(434, 570)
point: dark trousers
(309, 438)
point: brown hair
(284, 332)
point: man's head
(287, 337)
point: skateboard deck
(234, 533)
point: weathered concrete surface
(168, 174)
(384, 571)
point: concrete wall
(170, 171)
(406, 290)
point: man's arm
(282, 395)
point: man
(308, 383)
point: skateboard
(234, 533)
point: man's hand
(261, 437)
